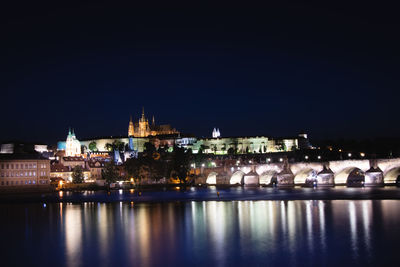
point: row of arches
(351, 176)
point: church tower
(130, 128)
(144, 129)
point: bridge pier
(346, 172)
(325, 178)
(285, 178)
(373, 176)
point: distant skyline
(331, 70)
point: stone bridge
(374, 172)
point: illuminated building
(243, 145)
(216, 133)
(59, 170)
(143, 129)
(72, 145)
(24, 170)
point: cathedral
(143, 128)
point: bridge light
(281, 159)
(268, 160)
(202, 165)
(340, 150)
(349, 155)
(319, 157)
(362, 154)
(306, 157)
(250, 161)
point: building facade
(72, 145)
(242, 145)
(60, 171)
(144, 129)
(24, 170)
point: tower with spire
(72, 144)
(131, 131)
(216, 133)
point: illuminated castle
(142, 128)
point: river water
(202, 233)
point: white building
(72, 145)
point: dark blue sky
(331, 70)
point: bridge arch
(350, 176)
(237, 177)
(266, 177)
(212, 178)
(392, 176)
(305, 176)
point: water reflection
(211, 233)
(73, 235)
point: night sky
(331, 70)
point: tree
(77, 175)
(118, 145)
(93, 146)
(223, 149)
(149, 148)
(231, 151)
(214, 148)
(109, 173)
(109, 147)
(180, 164)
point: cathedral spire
(143, 117)
(131, 130)
(153, 121)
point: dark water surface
(209, 193)
(202, 233)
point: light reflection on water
(215, 233)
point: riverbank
(211, 193)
